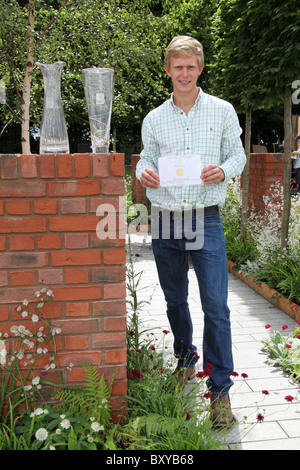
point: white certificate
(180, 170)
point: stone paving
(280, 429)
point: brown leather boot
(183, 374)
(221, 414)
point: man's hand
(150, 179)
(212, 174)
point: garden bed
(277, 299)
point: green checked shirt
(210, 130)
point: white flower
(25, 302)
(41, 434)
(97, 427)
(38, 411)
(37, 293)
(3, 353)
(24, 314)
(35, 318)
(50, 293)
(36, 380)
(65, 424)
(27, 388)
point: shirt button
(187, 129)
(188, 148)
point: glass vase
(53, 134)
(98, 87)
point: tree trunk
(245, 190)
(25, 105)
(287, 166)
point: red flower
(289, 398)
(209, 366)
(131, 333)
(129, 376)
(244, 375)
(284, 327)
(151, 356)
(137, 373)
(298, 322)
(138, 350)
(288, 346)
(260, 417)
(268, 326)
(207, 395)
(188, 416)
(234, 374)
(201, 375)
(152, 347)
(165, 332)
(265, 392)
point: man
(193, 123)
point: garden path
(280, 429)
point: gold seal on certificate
(177, 170)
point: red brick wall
(48, 238)
(265, 170)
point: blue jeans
(210, 265)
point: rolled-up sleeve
(150, 153)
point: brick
(77, 293)
(113, 186)
(74, 188)
(22, 225)
(23, 260)
(50, 276)
(76, 240)
(3, 278)
(73, 224)
(105, 340)
(9, 166)
(77, 309)
(114, 256)
(76, 276)
(22, 278)
(115, 356)
(64, 164)
(47, 166)
(45, 206)
(21, 242)
(100, 165)
(28, 166)
(18, 207)
(109, 307)
(115, 324)
(22, 189)
(114, 291)
(76, 342)
(80, 326)
(76, 357)
(2, 243)
(4, 314)
(73, 206)
(117, 164)
(82, 165)
(75, 258)
(49, 241)
(109, 274)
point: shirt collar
(197, 102)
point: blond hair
(184, 45)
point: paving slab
(250, 313)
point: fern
(155, 424)
(91, 399)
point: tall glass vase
(53, 135)
(98, 86)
